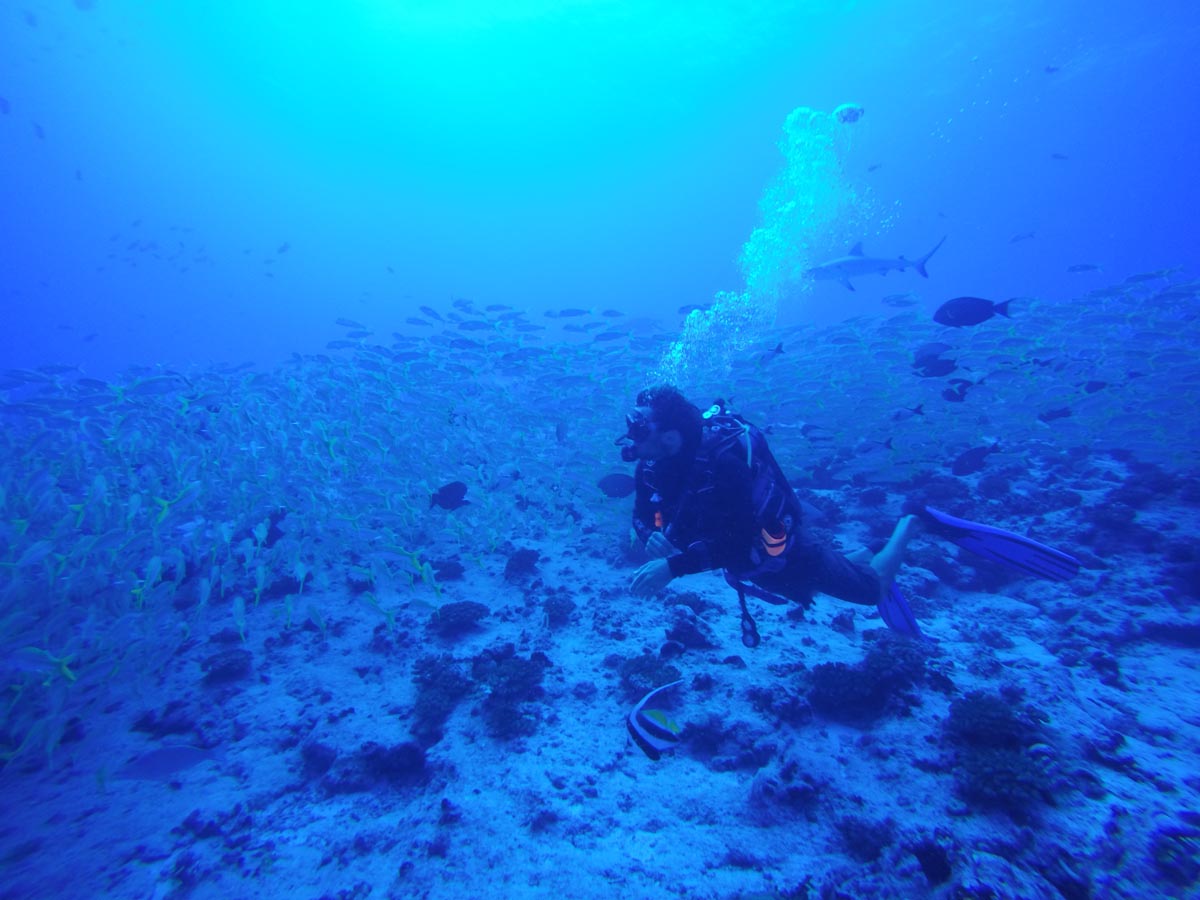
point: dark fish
(341, 345)
(39, 131)
(928, 362)
(1083, 267)
(899, 301)
(935, 367)
(1059, 156)
(284, 247)
(1023, 236)
(476, 325)
(568, 313)
(350, 323)
(496, 307)
(612, 314)
(1090, 387)
(963, 311)
(359, 335)
(971, 461)
(874, 167)
(957, 392)
(617, 485)
(464, 304)
(907, 412)
(1050, 70)
(1051, 414)
(4, 107)
(432, 313)
(608, 336)
(450, 496)
(413, 320)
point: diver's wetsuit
(708, 516)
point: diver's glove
(658, 547)
(651, 578)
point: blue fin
(898, 615)
(1005, 547)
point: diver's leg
(887, 561)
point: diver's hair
(672, 410)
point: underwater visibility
(594, 449)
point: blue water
(277, 276)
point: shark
(843, 268)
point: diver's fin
(898, 615)
(1005, 547)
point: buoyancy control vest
(777, 510)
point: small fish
(162, 763)
(1090, 387)
(284, 247)
(450, 496)
(39, 131)
(432, 313)
(1050, 70)
(359, 335)
(1059, 156)
(617, 485)
(1051, 414)
(899, 301)
(907, 412)
(612, 314)
(962, 311)
(5, 108)
(476, 325)
(568, 313)
(970, 461)
(1083, 267)
(874, 167)
(341, 345)
(608, 336)
(652, 729)
(1145, 276)
(413, 320)
(1023, 236)
(350, 323)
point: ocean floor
(1042, 742)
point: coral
(441, 684)
(456, 619)
(227, 666)
(317, 758)
(642, 674)
(995, 768)
(1175, 854)
(863, 839)
(986, 721)
(846, 693)
(522, 564)
(558, 610)
(1002, 779)
(512, 682)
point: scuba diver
(709, 495)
